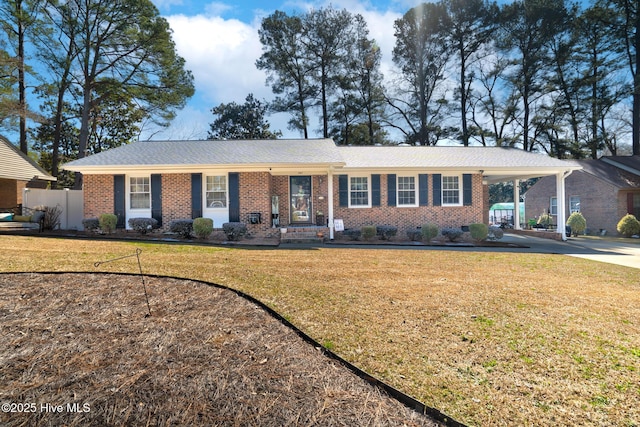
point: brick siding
(256, 189)
(601, 204)
(98, 195)
(406, 218)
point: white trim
(368, 177)
(136, 212)
(460, 191)
(416, 193)
(219, 215)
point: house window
(553, 206)
(359, 191)
(216, 191)
(406, 191)
(140, 192)
(450, 190)
(574, 204)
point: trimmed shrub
(386, 232)
(91, 224)
(429, 232)
(479, 232)
(143, 225)
(108, 223)
(495, 233)
(352, 233)
(183, 227)
(414, 235)
(368, 232)
(577, 223)
(202, 227)
(234, 230)
(545, 220)
(628, 226)
(452, 234)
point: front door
(300, 190)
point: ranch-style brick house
(273, 184)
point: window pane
(216, 191)
(359, 191)
(553, 210)
(574, 204)
(406, 190)
(450, 190)
(140, 192)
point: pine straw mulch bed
(205, 356)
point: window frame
(414, 190)
(206, 191)
(131, 193)
(368, 191)
(572, 203)
(553, 206)
(458, 190)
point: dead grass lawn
(489, 339)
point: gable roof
(617, 171)
(286, 155)
(16, 165)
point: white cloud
(221, 53)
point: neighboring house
(280, 183)
(604, 191)
(17, 172)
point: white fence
(71, 202)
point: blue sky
(220, 44)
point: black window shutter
(423, 189)
(391, 190)
(119, 194)
(375, 190)
(437, 189)
(467, 189)
(196, 195)
(234, 197)
(156, 198)
(343, 190)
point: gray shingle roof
(214, 153)
(15, 165)
(497, 163)
(444, 157)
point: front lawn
(487, 338)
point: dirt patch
(78, 349)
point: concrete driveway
(614, 251)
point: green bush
(479, 232)
(143, 225)
(368, 232)
(183, 227)
(414, 235)
(91, 224)
(234, 230)
(429, 232)
(386, 232)
(452, 234)
(577, 223)
(352, 233)
(108, 223)
(545, 220)
(628, 226)
(202, 227)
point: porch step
(304, 235)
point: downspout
(516, 204)
(560, 194)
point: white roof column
(561, 205)
(330, 201)
(516, 204)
